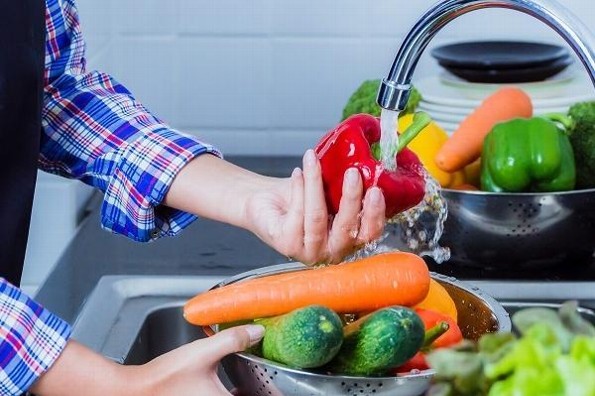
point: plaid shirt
(95, 131)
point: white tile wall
(269, 76)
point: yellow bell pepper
(426, 144)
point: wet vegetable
(378, 342)
(304, 338)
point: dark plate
(498, 54)
(508, 76)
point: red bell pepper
(352, 144)
(435, 338)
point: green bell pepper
(527, 155)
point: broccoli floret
(582, 139)
(363, 100)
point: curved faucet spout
(394, 90)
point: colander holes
(275, 373)
(368, 385)
(271, 377)
(265, 369)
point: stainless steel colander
(520, 229)
(478, 314)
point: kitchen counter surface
(205, 248)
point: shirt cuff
(132, 202)
(31, 340)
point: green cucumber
(378, 342)
(307, 337)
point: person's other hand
(192, 368)
(187, 371)
(291, 215)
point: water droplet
(419, 229)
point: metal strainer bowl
(478, 314)
(520, 229)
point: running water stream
(389, 138)
(419, 229)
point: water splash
(417, 230)
(389, 138)
(420, 228)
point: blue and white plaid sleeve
(95, 131)
(31, 339)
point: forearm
(80, 370)
(216, 189)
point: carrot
(395, 278)
(465, 144)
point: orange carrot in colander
(374, 282)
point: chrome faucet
(394, 90)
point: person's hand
(291, 215)
(192, 368)
(187, 371)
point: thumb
(234, 339)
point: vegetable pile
(502, 146)
(553, 354)
(398, 315)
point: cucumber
(378, 342)
(307, 337)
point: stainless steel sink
(132, 319)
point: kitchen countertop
(204, 248)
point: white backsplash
(269, 76)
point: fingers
(373, 216)
(231, 340)
(295, 215)
(315, 210)
(346, 224)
